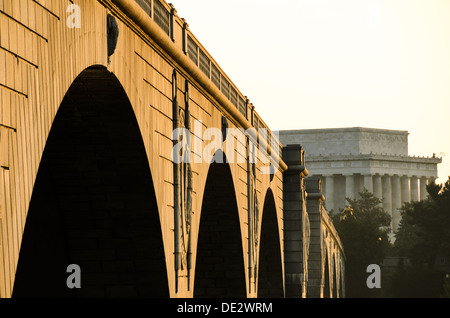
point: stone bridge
(125, 149)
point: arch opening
(219, 268)
(270, 276)
(93, 202)
(326, 286)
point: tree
(422, 237)
(363, 228)
(424, 230)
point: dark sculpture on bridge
(113, 34)
(253, 216)
(183, 185)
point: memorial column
(406, 193)
(377, 187)
(414, 189)
(423, 188)
(396, 202)
(349, 186)
(387, 194)
(368, 184)
(329, 192)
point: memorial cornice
(379, 157)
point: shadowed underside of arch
(270, 276)
(93, 203)
(220, 268)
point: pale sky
(337, 63)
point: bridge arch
(326, 291)
(140, 74)
(93, 202)
(270, 276)
(219, 269)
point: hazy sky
(337, 63)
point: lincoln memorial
(348, 159)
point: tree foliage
(424, 230)
(363, 228)
(422, 237)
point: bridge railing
(327, 257)
(336, 249)
(165, 16)
(326, 220)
